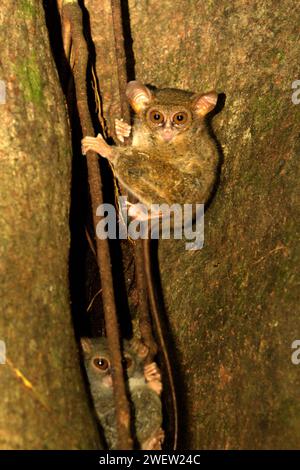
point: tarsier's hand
(122, 129)
(98, 145)
(153, 377)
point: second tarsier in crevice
(144, 386)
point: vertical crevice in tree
(71, 14)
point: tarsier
(144, 383)
(172, 158)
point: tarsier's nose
(167, 131)
(107, 381)
(167, 134)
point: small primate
(145, 386)
(172, 158)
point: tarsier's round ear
(86, 344)
(139, 96)
(205, 103)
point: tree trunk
(233, 307)
(43, 400)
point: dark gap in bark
(83, 272)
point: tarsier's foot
(137, 211)
(122, 129)
(153, 377)
(140, 212)
(97, 144)
(155, 441)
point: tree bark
(43, 399)
(233, 307)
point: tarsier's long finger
(152, 372)
(97, 144)
(86, 147)
(121, 135)
(154, 380)
(153, 376)
(89, 143)
(122, 129)
(122, 125)
(150, 368)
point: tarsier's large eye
(156, 117)
(101, 363)
(180, 118)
